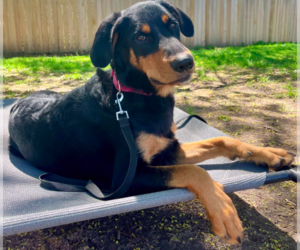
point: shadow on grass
(235, 126)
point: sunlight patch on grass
(263, 56)
(44, 65)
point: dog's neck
(124, 88)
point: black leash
(60, 183)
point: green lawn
(263, 56)
(269, 59)
(281, 56)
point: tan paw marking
(224, 217)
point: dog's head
(142, 43)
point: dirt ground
(248, 105)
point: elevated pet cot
(28, 206)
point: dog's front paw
(274, 158)
(223, 216)
(278, 158)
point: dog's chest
(149, 144)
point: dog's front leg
(219, 207)
(194, 152)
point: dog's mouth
(180, 81)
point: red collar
(125, 88)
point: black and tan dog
(77, 134)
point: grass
(46, 65)
(272, 62)
(263, 56)
(292, 91)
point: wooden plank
(33, 26)
(99, 12)
(232, 24)
(271, 24)
(90, 35)
(38, 24)
(238, 33)
(294, 31)
(18, 20)
(259, 24)
(55, 26)
(103, 10)
(70, 31)
(228, 42)
(203, 22)
(197, 24)
(45, 28)
(28, 21)
(61, 37)
(291, 30)
(49, 14)
(218, 22)
(258, 21)
(234, 14)
(12, 27)
(121, 3)
(282, 22)
(22, 23)
(75, 21)
(267, 13)
(6, 35)
(65, 25)
(289, 21)
(94, 26)
(192, 16)
(215, 22)
(224, 20)
(285, 27)
(248, 22)
(70, 25)
(80, 24)
(251, 23)
(244, 22)
(83, 29)
(245, 15)
(211, 19)
(255, 20)
(186, 8)
(275, 20)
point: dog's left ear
(186, 25)
(105, 39)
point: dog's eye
(141, 38)
(173, 25)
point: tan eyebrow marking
(146, 28)
(165, 18)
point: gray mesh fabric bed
(28, 206)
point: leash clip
(118, 101)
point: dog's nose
(182, 63)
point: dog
(77, 134)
